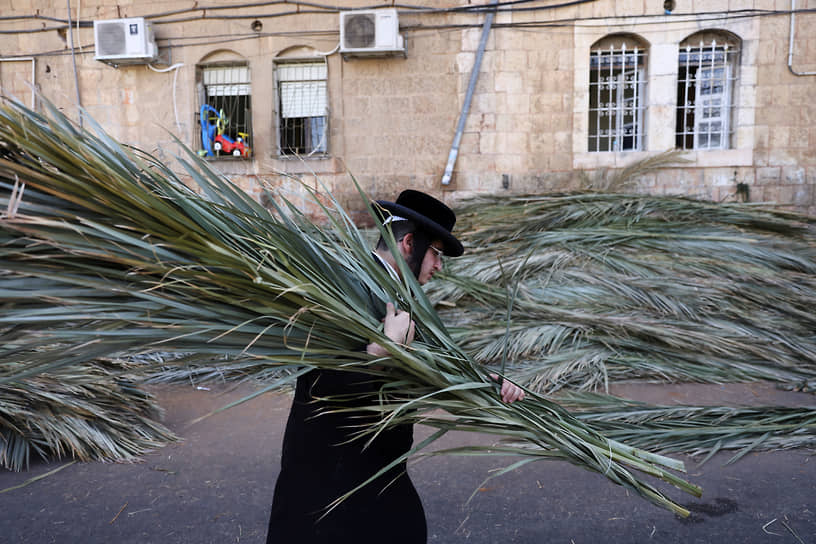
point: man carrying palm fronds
(323, 457)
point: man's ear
(406, 245)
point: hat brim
(450, 245)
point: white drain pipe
(790, 46)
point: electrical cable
(73, 60)
(174, 67)
(576, 22)
(327, 53)
(325, 8)
(703, 16)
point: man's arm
(399, 327)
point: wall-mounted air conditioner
(370, 33)
(124, 41)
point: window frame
(237, 142)
(631, 56)
(662, 35)
(711, 56)
(321, 150)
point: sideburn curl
(421, 244)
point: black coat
(321, 461)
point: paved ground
(216, 486)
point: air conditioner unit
(124, 41)
(370, 33)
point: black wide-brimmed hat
(429, 214)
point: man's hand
(398, 326)
(510, 392)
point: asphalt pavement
(216, 485)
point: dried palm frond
(110, 254)
(608, 287)
(197, 369)
(623, 179)
(84, 411)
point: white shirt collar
(388, 267)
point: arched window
(302, 105)
(224, 105)
(617, 85)
(706, 76)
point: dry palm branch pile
(611, 287)
(107, 253)
(87, 411)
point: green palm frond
(697, 430)
(124, 258)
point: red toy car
(226, 144)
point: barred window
(617, 86)
(705, 83)
(224, 111)
(302, 108)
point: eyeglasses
(438, 252)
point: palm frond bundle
(109, 254)
(696, 430)
(84, 411)
(611, 287)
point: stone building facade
(566, 94)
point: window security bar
(706, 76)
(617, 86)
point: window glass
(224, 115)
(705, 79)
(616, 96)
(302, 108)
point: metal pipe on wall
(790, 46)
(474, 76)
(73, 60)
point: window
(302, 108)
(224, 113)
(705, 80)
(616, 95)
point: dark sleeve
(344, 386)
(341, 383)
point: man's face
(431, 263)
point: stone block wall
(392, 120)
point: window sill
(227, 158)
(695, 158)
(306, 165)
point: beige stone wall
(786, 138)
(392, 120)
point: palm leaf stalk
(612, 287)
(84, 411)
(123, 258)
(696, 430)
(680, 429)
